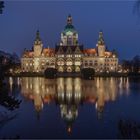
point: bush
(50, 73)
(88, 73)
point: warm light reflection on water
(74, 104)
(70, 92)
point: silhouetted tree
(136, 8)
(127, 65)
(128, 129)
(88, 73)
(136, 64)
(1, 70)
(50, 73)
(132, 65)
(1, 6)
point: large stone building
(69, 55)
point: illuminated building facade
(68, 55)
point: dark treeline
(7, 62)
(132, 66)
(128, 129)
(137, 7)
(1, 6)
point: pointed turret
(69, 25)
(101, 39)
(38, 35)
(37, 45)
(69, 20)
(101, 45)
(38, 39)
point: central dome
(69, 35)
(69, 27)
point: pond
(73, 108)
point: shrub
(50, 73)
(88, 73)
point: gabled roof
(45, 52)
(60, 50)
(69, 50)
(77, 50)
(89, 51)
(28, 53)
(65, 48)
(48, 52)
(69, 26)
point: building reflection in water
(124, 84)
(69, 93)
(39, 90)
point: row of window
(96, 64)
(32, 64)
(112, 60)
(69, 55)
(27, 69)
(31, 68)
(106, 60)
(32, 61)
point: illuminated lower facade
(69, 56)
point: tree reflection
(70, 93)
(9, 102)
(129, 129)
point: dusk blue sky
(21, 19)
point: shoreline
(74, 75)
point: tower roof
(101, 39)
(37, 36)
(69, 26)
(38, 39)
(69, 20)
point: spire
(101, 39)
(69, 20)
(38, 39)
(38, 36)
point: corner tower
(101, 45)
(37, 45)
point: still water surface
(72, 107)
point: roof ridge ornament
(38, 36)
(101, 38)
(69, 20)
(38, 39)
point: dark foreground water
(73, 108)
